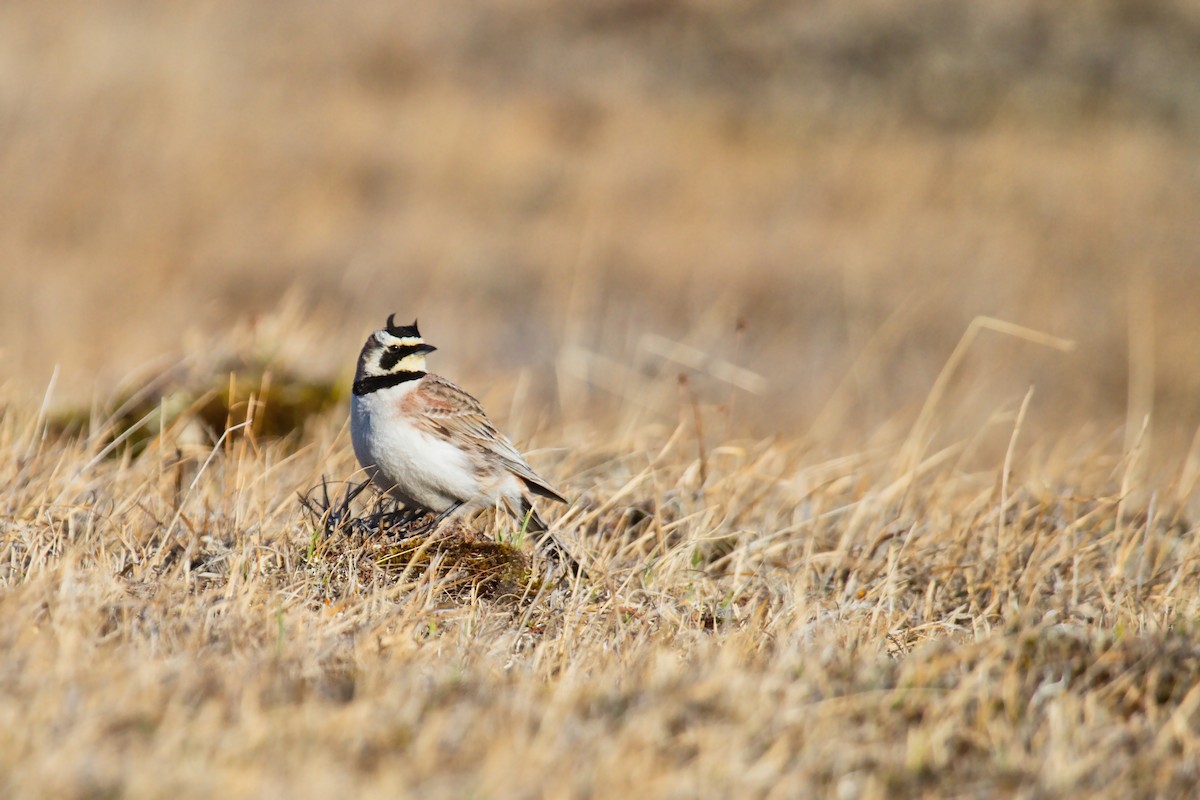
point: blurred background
(799, 205)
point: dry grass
(764, 291)
(758, 619)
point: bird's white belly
(415, 467)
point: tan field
(862, 337)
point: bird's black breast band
(374, 383)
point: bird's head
(394, 351)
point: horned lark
(428, 443)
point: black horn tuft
(402, 331)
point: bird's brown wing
(446, 410)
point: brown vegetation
(763, 289)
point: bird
(428, 444)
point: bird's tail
(533, 523)
(530, 519)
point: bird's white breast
(418, 468)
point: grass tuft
(401, 542)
